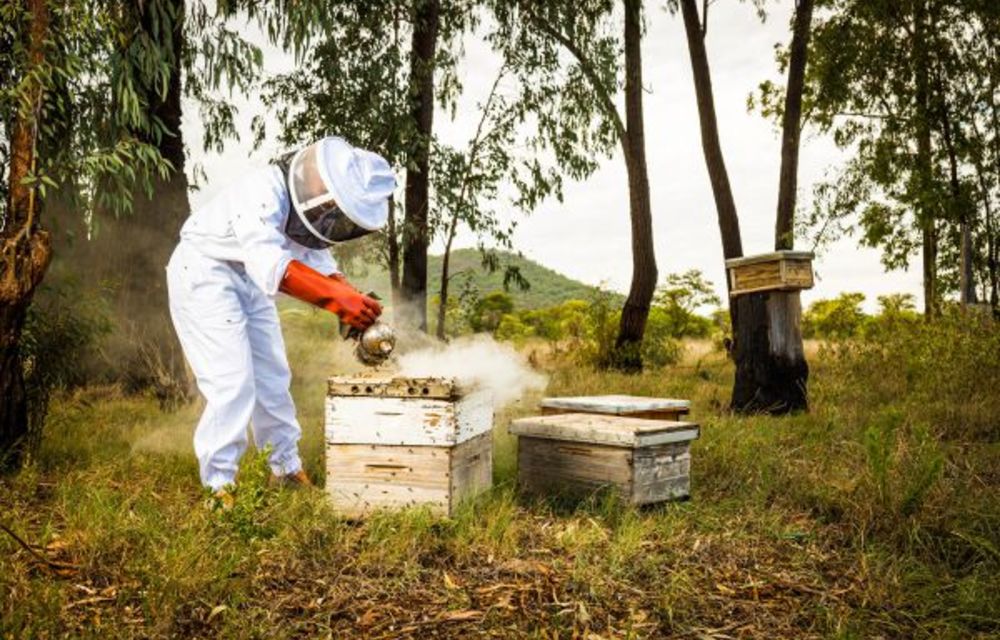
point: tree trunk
(636, 309)
(962, 209)
(771, 371)
(725, 205)
(442, 311)
(416, 235)
(925, 213)
(992, 277)
(392, 241)
(791, 127)
(26, 250)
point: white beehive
(398, 442)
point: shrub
(62, 331)
(487, 312)
(835, 319)
(679, 298)
(598, 349)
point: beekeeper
(267, 232)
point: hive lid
(618, 431)
(774, 256)
(395, 387)
(615, 404)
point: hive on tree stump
(618, 405)
(576, 454)
(771, 369)
(777, 271)
(400, 442)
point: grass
(855, 520)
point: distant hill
(547, 287)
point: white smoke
(476, 361)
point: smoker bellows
(396, 442)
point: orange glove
(332, 294)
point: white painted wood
(615, 404)
(618, 431)
(407, 421)
(474, 414)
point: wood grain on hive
(776, 271)
(398, 442)
(646, 461)
(618, 405)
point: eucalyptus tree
(573, 58)
(374, 73)
(470, 181)
(771, 369)
(195, 54)
(61, 127)
(921, 132)
(416, 227)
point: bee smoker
(375, 344)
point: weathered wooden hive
(644, 460)
(777, 271)
(618, 405)
(398, 442)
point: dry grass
(798, 527)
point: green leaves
(882, 76)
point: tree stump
(771, 368)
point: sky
(587, 236)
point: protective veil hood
(338, 192)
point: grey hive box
(398, 442)
(618, 405)
(646, 461)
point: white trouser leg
(274, 421)
(207, 305)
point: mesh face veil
(318, 220)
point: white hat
(359, 181)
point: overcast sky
(587, 236)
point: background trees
(93, 96)
(570, 53)
(920, 128)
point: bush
(677, 300)
(835, 319)
(487, 312)
(62, 331)
(598, 348)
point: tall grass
(877, 514)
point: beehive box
(399, 442)
(645, 461)
(778, 271)
(618, 405)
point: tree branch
(587, 66)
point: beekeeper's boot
(296, 480)
(222, 499)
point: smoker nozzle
(375, 344)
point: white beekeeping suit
(234, 255)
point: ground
(849, 521)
